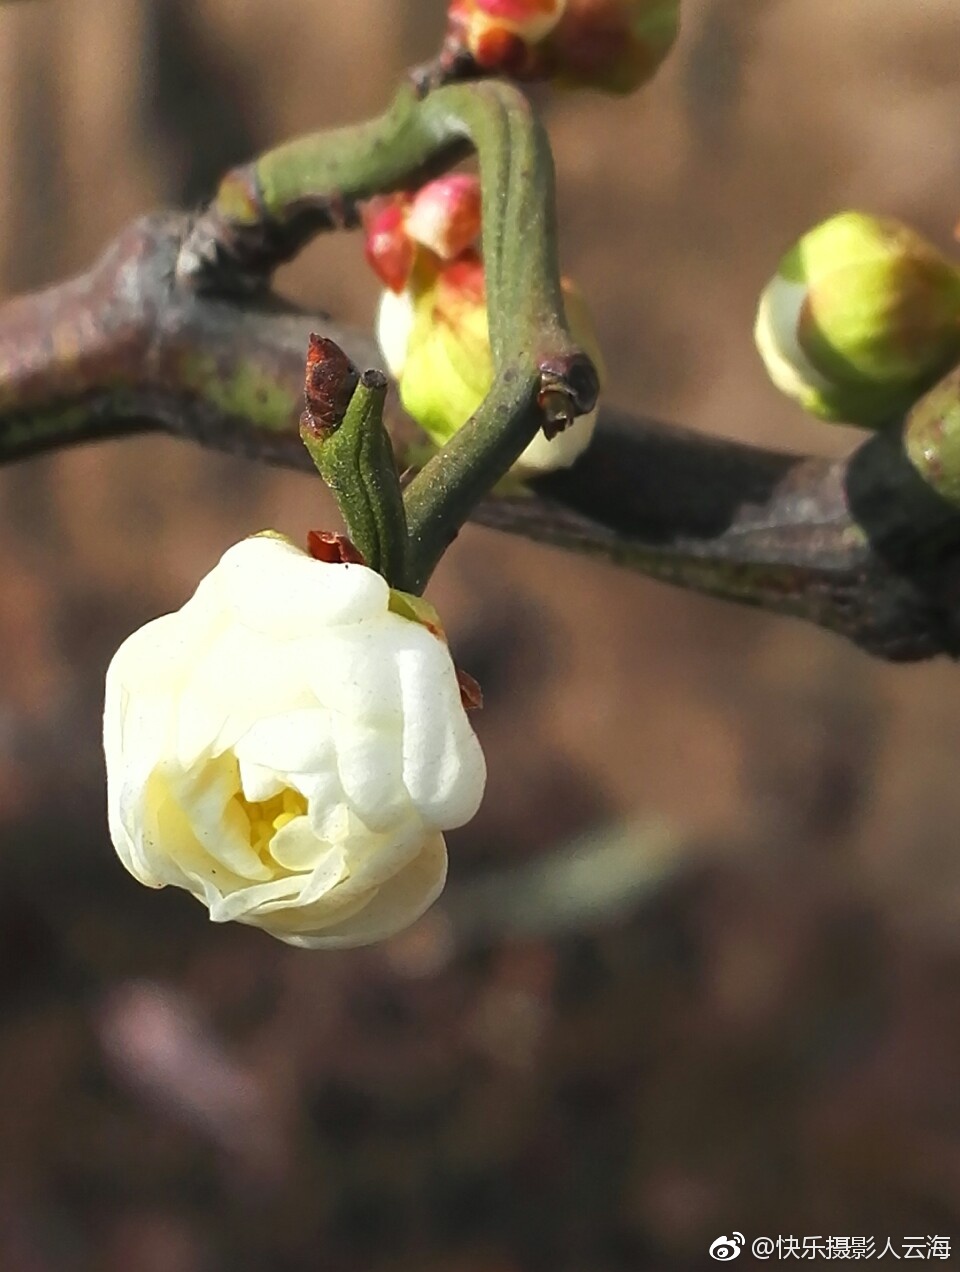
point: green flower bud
(436, 343)
(862, 315)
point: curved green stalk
(264, 212)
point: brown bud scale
(330, 383)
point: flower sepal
(417, 610)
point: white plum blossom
(289, 749)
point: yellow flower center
(267, 816)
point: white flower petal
(291, 742)
(353, 669)
(257, 782)
(545, 455)
(395, 905)
(370, 764)
(202, 799)
(326, 803)
(212, 714)
(374, 859)
(247, 903)
(443, 766)
(776, 333)
(296, 848)
(273, 587)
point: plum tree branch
(862, 547)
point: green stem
(444, 494)
(264, 212)
(517, 179)
(529, 338)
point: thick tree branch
(862, 547)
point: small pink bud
(389, 249)
(445, 215)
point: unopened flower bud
(504, 36)
(442, 218)
(436, 343)
(862, 315)
(613, 45)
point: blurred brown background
(698, 967)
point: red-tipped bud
(389, 249)
(445, 215)
(436, 342)
(503, 36)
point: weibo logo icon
(726, 1248)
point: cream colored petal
(370, 765)
(220, 829)
(352, 670)
(296, 848)
(171, 850)
(775, 333)
(285, 919)
(125, 808)
(235, 682)
(273, 587)
(260, 783)
(290, 742)
(144, 681)
(443, 767)
(326, 804)
(158, 653)
(246, 904)
(394, 906)
(373, 859)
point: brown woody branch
(862, 547)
